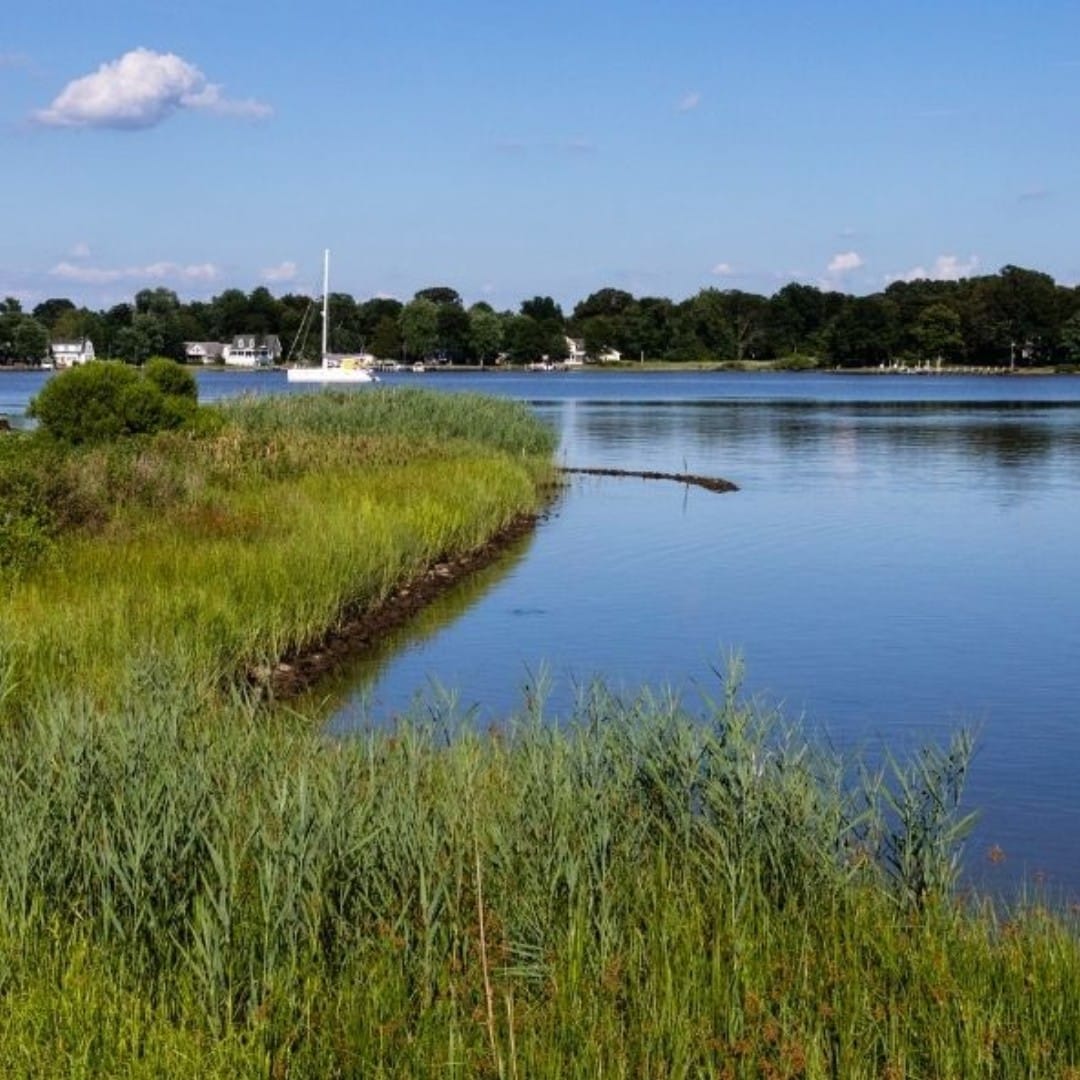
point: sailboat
(334, 369)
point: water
(899, 560)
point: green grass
(194, 883)
(220, 552)
(638, 892)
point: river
(900, 560)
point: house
(69, 353)
(253, 350)
(203, 352)
(609, 356)
(575, 352)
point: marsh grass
(196, 884)
(225, 550)
(634, 891)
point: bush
(98, 402)
(171, 378)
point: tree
(48, 311)
(31, 340)
(711, 323)
(453, 331)
(485, 332)
(158, 301)
(439, 294)
(386, 340)
(524, 338)
(1070, 339)
(937, 333)
(544, 310)
(419, 325)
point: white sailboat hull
(329, 375)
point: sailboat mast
(325, 300)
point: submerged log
(709, 483)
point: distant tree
(440, 294)
(795, 319)
(419, 325)
(10, 306)
(866, 331)
(485, 332)
(31, 340)
(386, 340)
(1070, 339)
(938, 333)
(158, 301)
(524, 338)
(711, 324)
(604, 302)
(48, 311)
(544, 310)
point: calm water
(900, 560)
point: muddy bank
(363, 628)
(709, 483)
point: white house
(609, 356)
(253, 350)
(575, 352)
(68, 353)
(203, 352)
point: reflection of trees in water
(1009, 436)
(366, 668)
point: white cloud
(723, 269)
(140, 90)
(285, 271)
(80, 251)
(159, 271)
(689, 101)
(945, 268)
(580, 146)
(844, 261)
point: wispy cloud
(689, 101)
(80, 250)
(10, 61)
(284, 271)
(1033, 194)
(158, 271)
(844, 261)
(140, 90)
(580, 146)
(722, 269)
(945, 268)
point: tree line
(1015, 318)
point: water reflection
(351, 697)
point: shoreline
(361, 628)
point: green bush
(171, 378)
(99, 402)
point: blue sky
(513, 150)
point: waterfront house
(253, 350)
(203, 352)
(575, 352)
(68, 353)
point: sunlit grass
(292, 513)
(636, 891)
(196, 884)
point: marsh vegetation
(197, 882)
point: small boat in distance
(333, 369)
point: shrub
(171, 378)
(98, 402)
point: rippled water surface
(900, 559)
